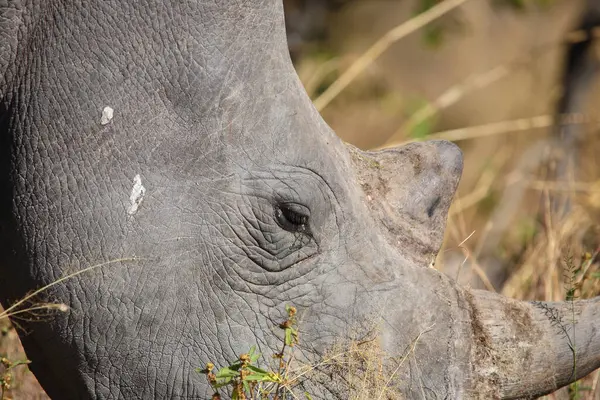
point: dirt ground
(23, 385)
(483, 65)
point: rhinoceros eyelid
(293, 217)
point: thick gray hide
(216, 173)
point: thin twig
(307, 369)
(475, 266)
(7, 312)
(48, 306)
(452, 96)
(584, 187)
(479, 193)
(412, 346)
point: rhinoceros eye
(292, 217)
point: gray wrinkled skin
(211, 139)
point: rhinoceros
(172, 143)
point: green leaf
(308, 396)
(253, 355)
(227, 372)
(257, 370)
(257, 378)
(268, 377)
(288, 337)
(222, 383)
(20, 362)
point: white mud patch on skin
(137, 195)
(107, 115)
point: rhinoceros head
(173, 144)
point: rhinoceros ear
(409, 190)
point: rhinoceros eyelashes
(292, 217)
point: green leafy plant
(243, 379)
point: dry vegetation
(490, 85)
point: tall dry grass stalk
(17, 309)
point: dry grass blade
(538, 275)
(26, 385)
(497, 128)
(11, 310)
(479, 81)
(300, 372)
(585, 187)
(382, 45)
(411, 349)
(311, 83)
(482, 187)
(595, 383)
(502, 127)
(361, 367)
(357, 365)
(474, 264)
(450, 97)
